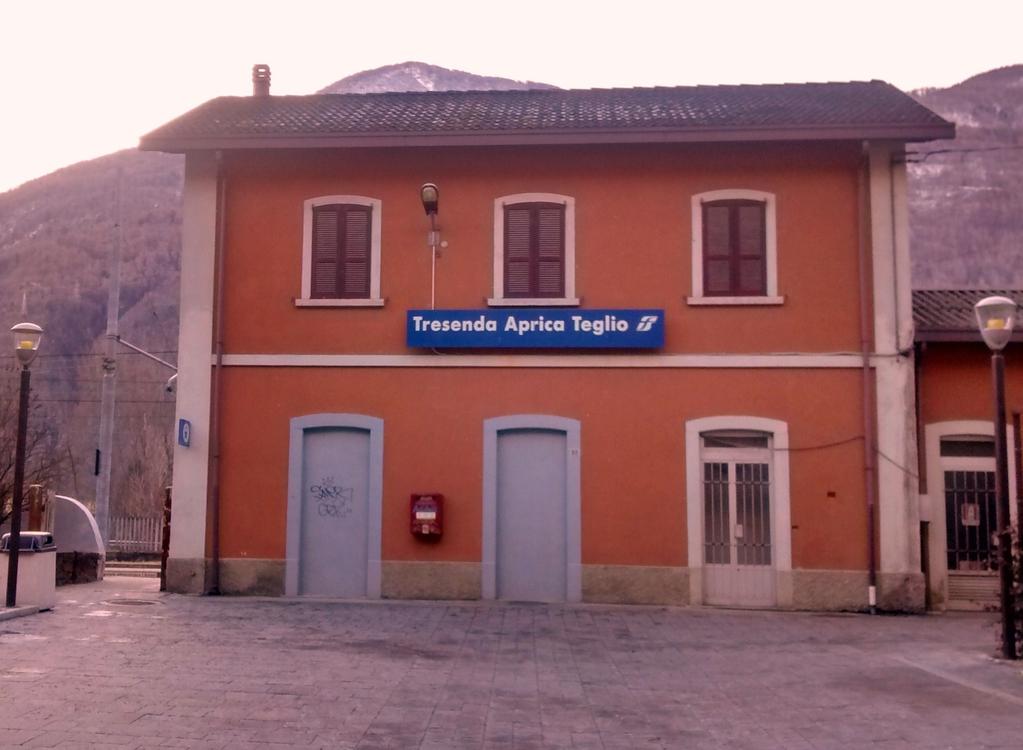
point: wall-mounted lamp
(430, 195)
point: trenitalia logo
(535, 328)
(646, 323)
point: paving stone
(216, 673)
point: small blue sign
(184, 433)
(535, 328)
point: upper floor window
(341, 252)
(734, 248)
(534, 250)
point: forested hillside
(966, 195)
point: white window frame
(498, 299)
(374, 299)
(781, 530)
(771, 297)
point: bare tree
(43, 451)
(148, 469)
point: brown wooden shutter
(717, 252)
(326, 235)
(517, 256)
(356, 253)
(534, 250)
(342, 257)
(751, 248)
(550, 250)
(734, 248)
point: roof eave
(896, 132)
(956, 335)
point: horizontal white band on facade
(552, 361)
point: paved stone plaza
(119, 665)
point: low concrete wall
(79, 567)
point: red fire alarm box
(427, 515)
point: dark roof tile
(853, 106)
(947, 314)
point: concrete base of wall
(187, 575)
(252, 576)
(848, 590)
(829, 589)
(605, 584)
(901, 592)
(635, 584)
(430, 580)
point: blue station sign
(535, 328)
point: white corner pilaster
(897, 506)
(195, 341)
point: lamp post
(26, 344)
(429, 194)
(996, 317)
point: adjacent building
(643, 345)
(956, 443)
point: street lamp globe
(996, 317)
(26, 341)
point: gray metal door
(737, 530)
(531, 515)
(335, 517)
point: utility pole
(104, 461)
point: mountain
(418, 76)
(966, 220)
(56, 233)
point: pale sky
(83, 79)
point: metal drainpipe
(919, 350)
(218, 328)
(868, 401)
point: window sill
(340, 302)
(533, 302)
(735, 301)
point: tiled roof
(775, 111)
(947, 314)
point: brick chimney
(261, 80)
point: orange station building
(653, 346)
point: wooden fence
(135, 533)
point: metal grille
(716, 517)
(752, 514)
(970, 520)
(739, 491)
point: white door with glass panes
(738, 552)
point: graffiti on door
(330, 499)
